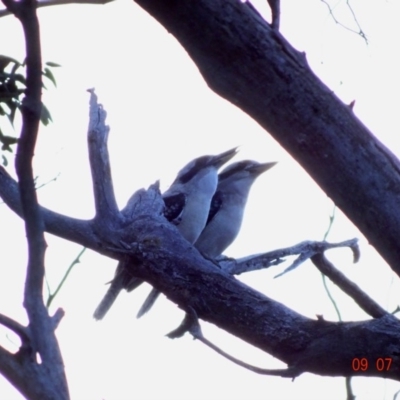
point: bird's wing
(216, 204)
(174, 205)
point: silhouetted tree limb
(39, 372)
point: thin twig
(47, 3)
(359, 32)
(64, 278)
(324, 282)
(191, 324)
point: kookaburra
(226, 213)
(187, 205)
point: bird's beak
(260, 168)
(220, 159)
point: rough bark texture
(254, 67)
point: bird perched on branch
(226, 213)
(187, 205)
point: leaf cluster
(12, 87)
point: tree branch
(304, 250)
(253, 66)
(186, 278)
(107, 211)
(47, 3)
(31, 111)
(10, 368)
(191, 324)
(72, 229)
(365, 302)
(16, 327)
(50, 378)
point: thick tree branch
(318, 346)
(365, 302)
(50, 379)
(245, 61)
(72, 229)
(10, 368)
(106, 206)
(31, 111)
(16, 327)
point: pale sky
(162, 114)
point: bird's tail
(109, 298)
(122, 280)
(148, 303)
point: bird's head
(244, 170)
(203, 163)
